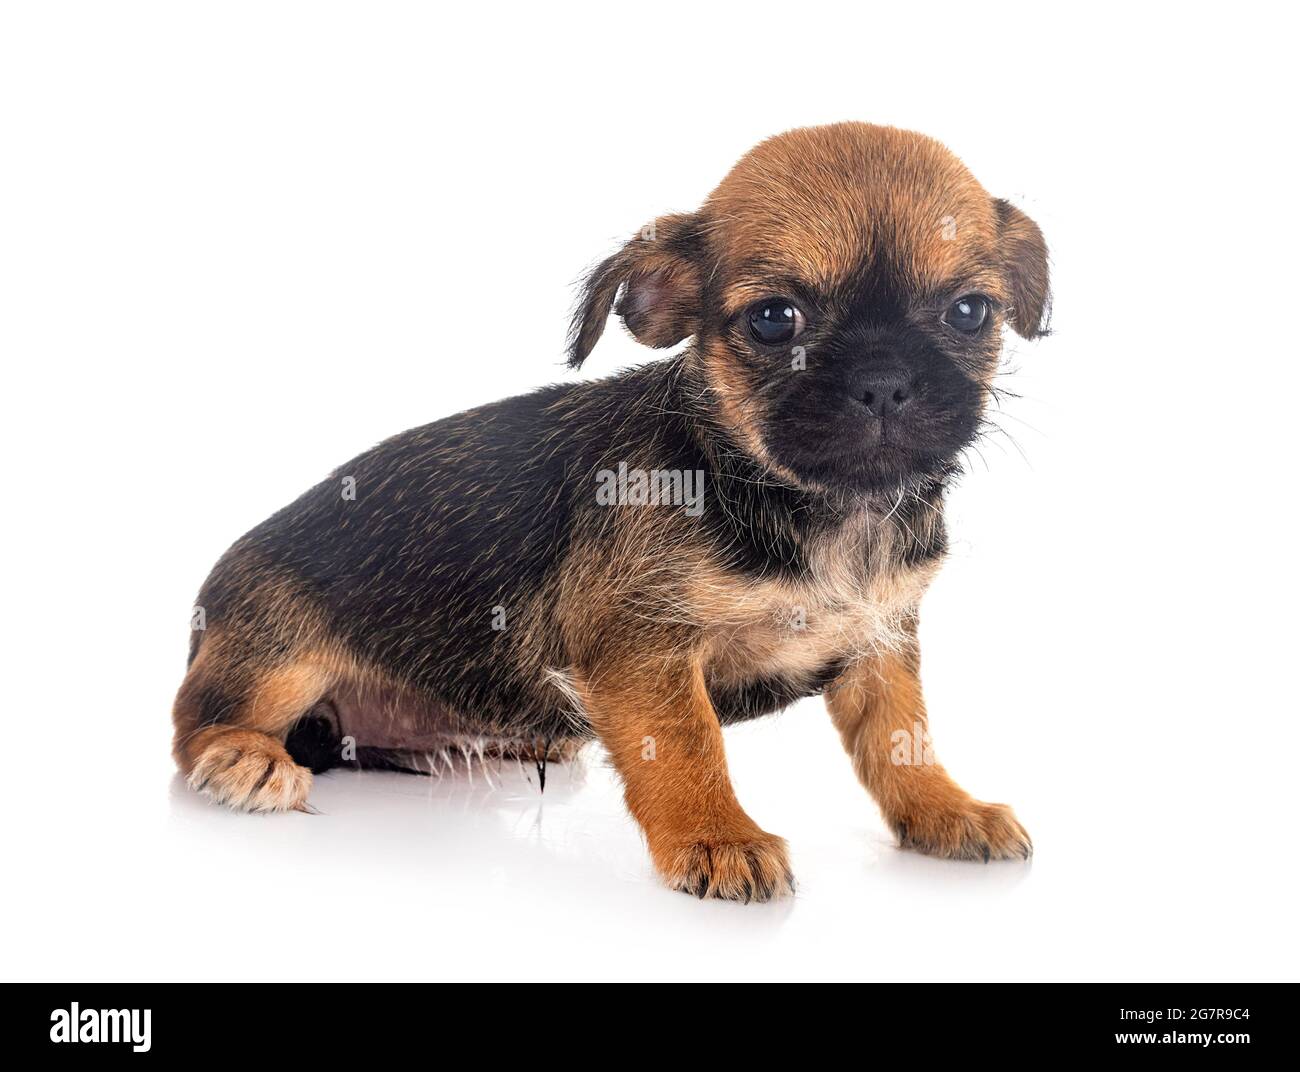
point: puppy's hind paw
(250, 771)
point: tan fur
(665, 741)
(853, 604)
(246, 770)
(242, 762)
(787, 203)
(871, 703)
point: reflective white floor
(411, 878)
(319, 253)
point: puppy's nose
(884, 392)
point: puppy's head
(847, 287)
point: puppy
(647, 558)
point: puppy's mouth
(857, 451)
(884, 461)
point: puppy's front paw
(752, 868)
(970, 830)
(251, 772)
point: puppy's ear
(659, 275)
(1025, 262)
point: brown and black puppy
(647, 558)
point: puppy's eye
(775, 321)
(967, 314)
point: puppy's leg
(230, 731)
(665, 740)
(877, 707)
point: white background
(241, 242)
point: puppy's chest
(846, 606)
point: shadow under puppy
(647, 558)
